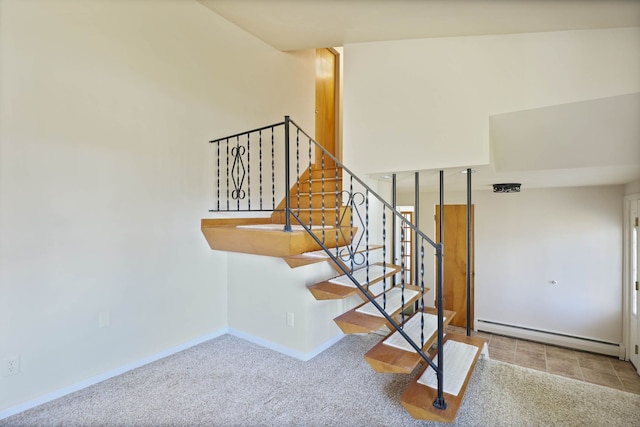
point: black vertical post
(439, 402)
(469, 267)
(416, 212)
(393, 225)
(287, 185)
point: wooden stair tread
(316, 171)
(319, 256)
(355, 321)
(329, 289)
(418, 398)
(331, 217)
(259, 236)
(386, 358)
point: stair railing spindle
(351, 206)
(218, 176)
(236, 160)
(260, 162)
(227, 174)
(338, 202)
(422, 293)
(322, 197)
(366, 233)
(249, 171)
(273, 170)
(403, 271)
(298, 169)
(310, 189)
(384, 254)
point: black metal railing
(339, 210)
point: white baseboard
(286, 350)
(553, 338)
(109, 374)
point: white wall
(106, 110)
(425, 104)
(262, 290)
(525, 240)
(632, 188)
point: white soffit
(596, 133)
(304, 24)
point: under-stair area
(329, 215)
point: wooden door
(326, 72)
(455, 261)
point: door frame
(629, 342)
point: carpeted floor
(230, 382)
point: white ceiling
(304, 24)
(595, 142)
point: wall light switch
(104, 319)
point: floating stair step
(329, 198)
(316, 184)
(366, 318)
(329, 171)
(460, 356)
(321, 256)
(341, 287)
(261, 237)
(395, 355)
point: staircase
(330, 215)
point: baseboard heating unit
(553, 338)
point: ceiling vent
(506, 188)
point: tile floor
(589, 367)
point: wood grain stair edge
(388, 359)
(418, 399)
(355, 322)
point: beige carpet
(230, 382)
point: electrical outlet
(11, 366)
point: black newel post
(439, 402)
(287, 185)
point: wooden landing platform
(232, 236)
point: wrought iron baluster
(422, 292)
(228, 175)
(310, 188)
(366, 232)
(337, 195)
(237, 183)
(402, 269)
(218, 177)
(384, 255)
(260, 159)
(298, 168)
(249, 171)
(351, 203)
(238, 176)
(273, 171)
(322, 198)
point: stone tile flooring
(589, 367)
